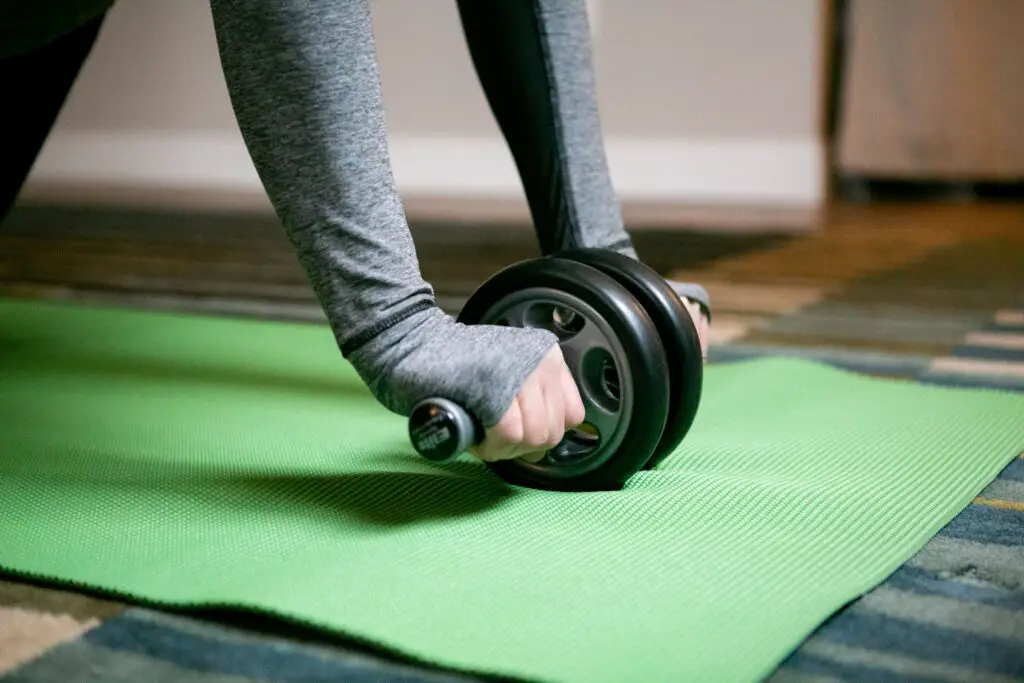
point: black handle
(442, 430)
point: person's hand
(546, 407)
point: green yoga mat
(197, 461)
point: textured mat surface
(200, 461)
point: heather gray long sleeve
(305, 87)
(304, 83)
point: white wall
(704, 102)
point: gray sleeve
(304, 84)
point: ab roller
(631, 347)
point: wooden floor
(910, 278)
(243, 264)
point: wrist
(429, 355)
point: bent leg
(533, 59)
(35, 86)
(535, 64)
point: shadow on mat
(381, 498)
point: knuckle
(509, 432)
(536, 439)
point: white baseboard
(741, 173)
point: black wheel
(614, 352)
(678, 336)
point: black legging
(541, 94)
(35, 85)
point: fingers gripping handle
(442, 430)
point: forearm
(304, 84)
(305, 87)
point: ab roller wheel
(629, 343)
(676, 330)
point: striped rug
(926, 293)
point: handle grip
(442, 430)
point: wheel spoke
(576, 347)
(517, 315)
(601, 419)
(590, 357)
